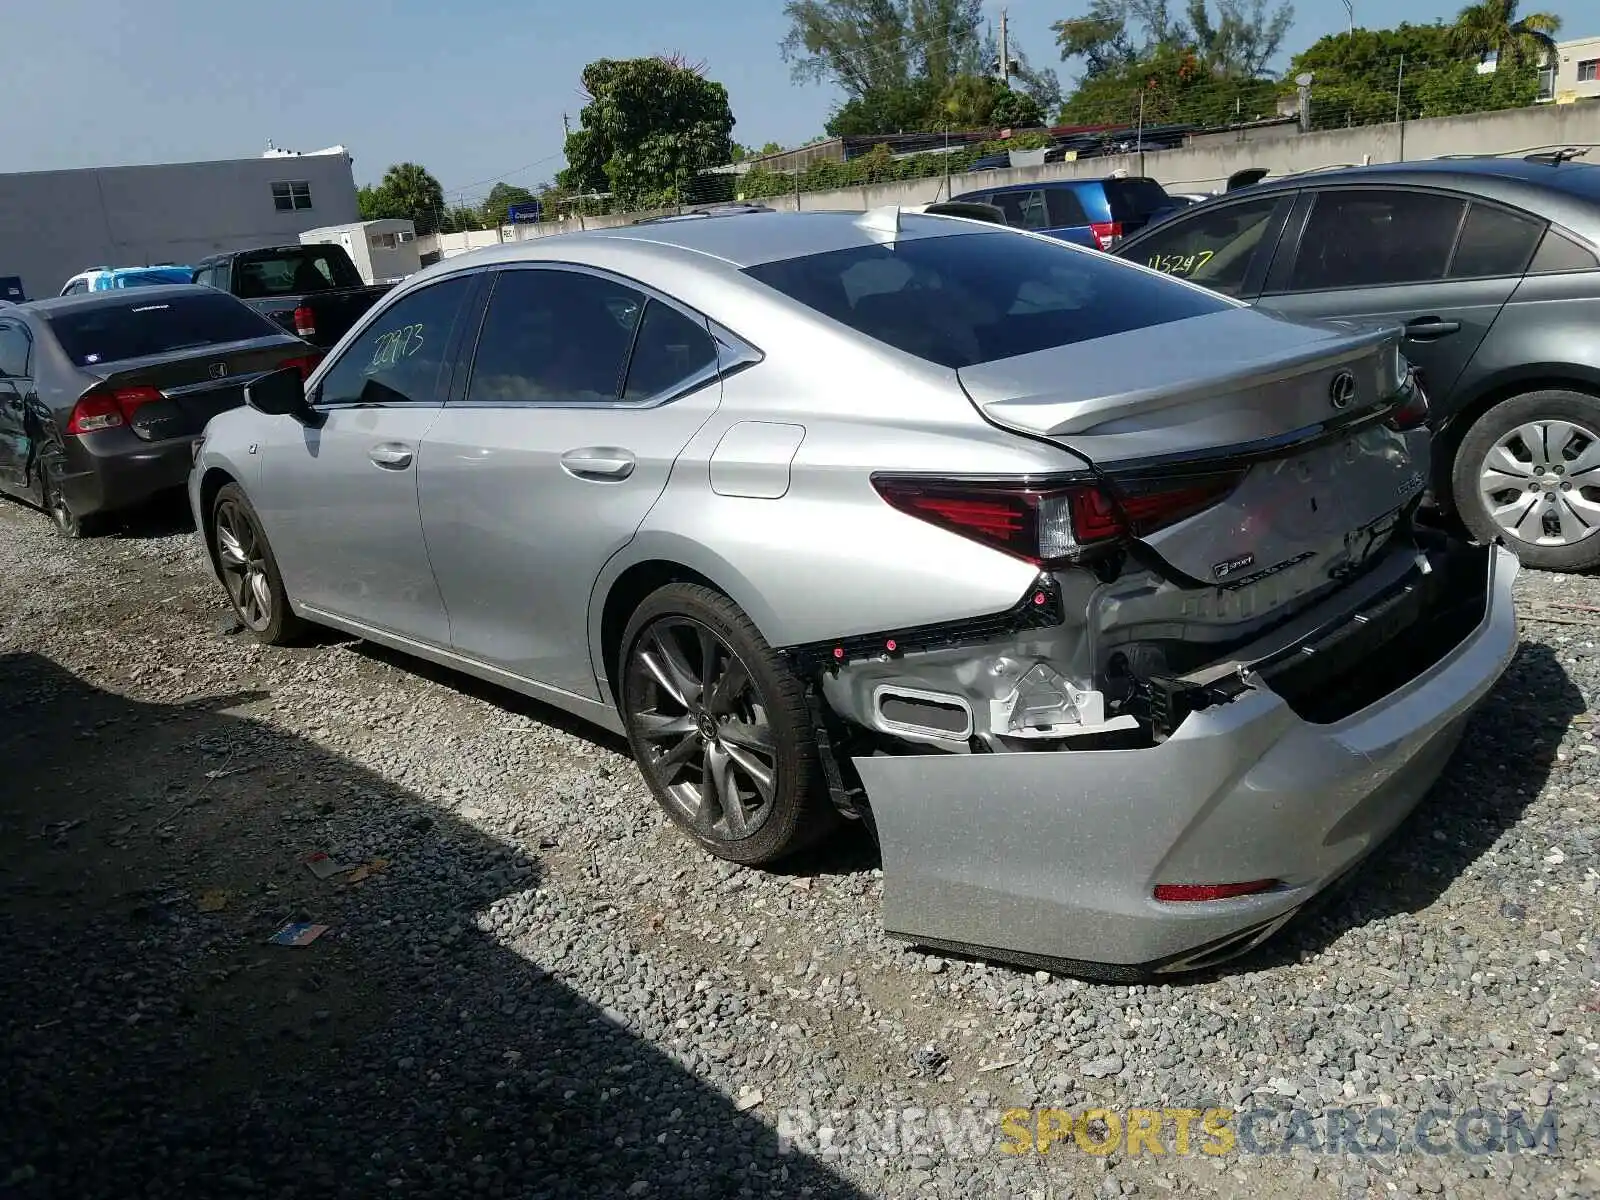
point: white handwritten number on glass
(394, 346)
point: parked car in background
(313, 292)
(106, 279)
(1493, 267)
(1097, 213)
(102, 396)
(1098, 593)
(11, 289)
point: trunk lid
(196, 383)
(1287, 408)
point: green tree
(407, 191)
(649, 127)
(1016, 110)
(1493, 26)
(904, 65)
(497, 204)
(1357, 78)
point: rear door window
(15, 345)
(1495, 242)
(1372, 237)
(962, 299)
(671, 352)
(1066, 210)
(1215, 248)
(554, 336)
(136, 326)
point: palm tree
(1492, 26)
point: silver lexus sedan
(1100, 597)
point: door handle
(1424, 328)
(599, 462)
(390, 455)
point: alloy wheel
(705, 727)
(242, 554)
(1540, 483)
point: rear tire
(250, 572)
(1528, 470)
(720, 728)
(66, 523)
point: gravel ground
(538, 988)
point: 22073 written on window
(291, 195)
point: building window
(291, 196)
(382, 241)
(1589, 70)
(1547, 84)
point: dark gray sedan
(1493, 267)
(103, 395)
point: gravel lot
(540, 989)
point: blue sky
(472, 90)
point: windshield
(137, 328)
(294, 272)
(974, 298)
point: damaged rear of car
(1241, 661)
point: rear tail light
(305, 364)
(1189, 893)
(1045, 524)
(109, 408)
(305, 322)
(1106, 233)
(1413, 414)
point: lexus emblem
(220, 370)
(1342, 390)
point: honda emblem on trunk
(219, 370)
(1342, 390)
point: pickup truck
(313, 291)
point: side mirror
(281, 393)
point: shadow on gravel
(1502, 764)
(156, 1045)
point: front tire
(1529, 471)
(250, 572)
(720, 728)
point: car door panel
(16, 385)
(536, 477)
(338, 496)
(1388, 256)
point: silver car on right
(1101, 598)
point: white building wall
(54, 224)
(1571, 56)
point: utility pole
(1349, 7)
(1005, 52)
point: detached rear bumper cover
(1052, 857)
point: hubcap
(705, 727)
(244, 567)
(1541, 483)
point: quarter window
(1213, 248)
(291, 195)
(1065, 208)
(1559, 253)
(1359, 238)
(671, 349)
(14, 347)
(1494, 242)
(397, 359)
(554, 337)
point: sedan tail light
(108, 408)
(305, 322)
(1048, 524)
(1106, 233)
(305, 364)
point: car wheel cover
(703, 728)
(242, 555)
(1540, 483)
